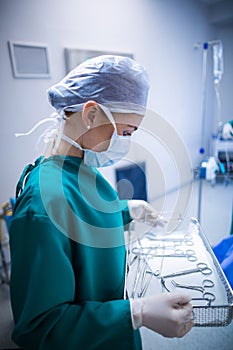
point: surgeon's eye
(127, 133)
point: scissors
(153, 252)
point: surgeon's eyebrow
(133, 126)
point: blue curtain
(224, 254)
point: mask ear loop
(109, 116)
(59, 134)
(56, 131)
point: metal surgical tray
(154, 260)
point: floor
(216, 211)
(6, 321)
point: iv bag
(218, 61)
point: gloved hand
(142, 211)
(227, 132)
(167, 314)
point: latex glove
(142, 211)
(167, 314)
(227, 132)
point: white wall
(161, 35)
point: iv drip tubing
(216, 45)
(203, 105)
(203, 110)
(216, 87)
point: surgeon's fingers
(186, 328)
(184, 309)
(180, 300)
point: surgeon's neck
(64, 149)
(75, 130)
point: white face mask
(118, 147)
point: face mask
(118, 147)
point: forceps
(187, 239)
(200, 267)
(153, 252)
(205, 284)
(206, 296)
(140, 277)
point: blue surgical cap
(108, 80)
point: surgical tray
(150, 264)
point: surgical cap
(109, 80)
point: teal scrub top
(68, 260)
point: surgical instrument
(137, 277)
(201, 267)
(205, 284)
(144, 288)
(164, 284)
(161, 246)
(140, 275)
(153, 252)
(126, 273)
(187, 239)
(207, 297)
(174, 243)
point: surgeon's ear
(89, 112)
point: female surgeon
(67, 231)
